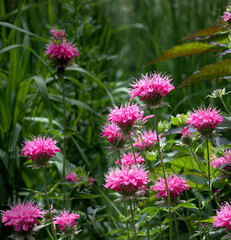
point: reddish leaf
(217, 27)
(186, 49)
(216, 70)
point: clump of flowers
(79, 178)
(225, 159)
(128, 159)
(176, 186)
(66, 222)
(205, 120)
(60, 52)
(146, 140)
(227, 15)
(151, 88)
(127, 180)
(23, 217)
(186, 136)
(223, 218)
(127, 116)
(113, 135)
(71, 176)
(40, 150)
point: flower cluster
(23, 216)
(227, 15)
(80, 180)
(205, 120)
(60, 52)
(127, 116)
(40, 150)
(66, 221)
(127, 180)
(176, 185)
(146, 140)
(151, 89)
(223, 218)
(225, 159)
(128, 159)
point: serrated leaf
(217, 27)
(185, 50)
(216, 70)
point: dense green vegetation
(116, 39)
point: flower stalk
(209, 177)
(163, 168)
(133, 220)
(48, 205)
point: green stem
(126, 215)
(224, 105)
(132, 147)
(61, 78)
(133, 220)
(165, 178)
(198, 193)
(209, 180)
(48, 205)
(160, 226)
(147, 223)
(119, 157)
(177, 229)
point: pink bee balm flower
(128, 159)
(40, 150)
(227, 16)
(66, 221)
(176, 185)
(205, 120)
(151, 89)
(91, 181)
(223, 218)
(127, 180)
(23, 216)
(146, 140)
(186, 136)
(113, 135)
(225, 159)
(61, 53)
(58, 33)
(126, 117)
(71, 177)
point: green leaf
(9, 25)
(85, 196)
(152, 211)
(55, 186)
(185, 50)
(217, 27)
(187, 204)
(44, 92)
(79, 69)
(216, 70)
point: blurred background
(115, 39)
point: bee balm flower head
(66, 222)
(151, 88)
(128, 159)
(176, 185)
(205, 120)
(40, 150)
(23, 217)
(127, 180)
(225, 159)
(223, 218)
(60, 52)
(126, 117)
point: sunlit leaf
(216, 70)
(185, 50)
(217, 27)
